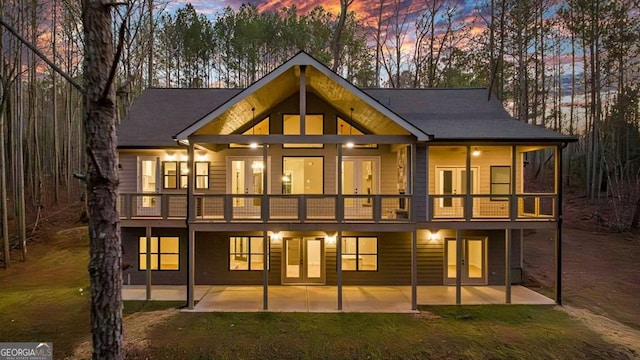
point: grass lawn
(40, 301)
(468, 332)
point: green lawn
(40, 301)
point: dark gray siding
(420, 186)
(130, 244)
(212, 262)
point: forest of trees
(572, 66)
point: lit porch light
(202, 156)
(330, 239)
(253, 145)
(476, 152)
(276, 237)
(350, 145)
(433, 235)
(184, 157)
(171, 156)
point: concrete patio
(374, 299)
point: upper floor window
(345, 128)
(261, 128)
(313, 125)
(500, 181)
(176, 174)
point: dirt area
(137, 333)
(599, 274)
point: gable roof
(284, 82)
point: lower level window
(246, 253)
(359, 253)
(164, 253)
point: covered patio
(372, 299)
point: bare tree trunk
(105, 264)
(335, 41)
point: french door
(245, 176)
(453, 181)
(472, 261)
(360, 176)
(148, 183)
(303, 260)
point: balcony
(492, 207)
(230, 208)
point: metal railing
(492, 207)
(272, 208)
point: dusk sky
(362, 8)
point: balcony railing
(493, 207)
(276, 208)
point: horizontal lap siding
(131, 255)
(212, 262)
(430, 260)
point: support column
(468, 200)
(191, 247)
(339, 268)
(414, 270)
(148, 261)
(265, 271)
(264, 210)
(507, 266)
(513, 198)
(303, 98)
(458, 267)
(191, 257)
(559, 228)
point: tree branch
(41, 55)
(116, 60)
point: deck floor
(373, 299)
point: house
(303, 178)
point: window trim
(159, 253)
(492, 183)
(182, 179)
(358, 253)
(248, 253)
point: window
(172, 181)
(345, 128)
(246, 253)
(359, 253)
(313, 125)
(202, 175)
(261, 128)
(165, 253)
(302, 175)
(500, 182)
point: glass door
(245, 177)
(473, 261)
(453, 181)
(359, 177)
(148, 184)
(303, 261)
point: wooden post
(458, 267)
(468, 201)
(148, 261)
(559, 227)
(303, 99)
(339, 268)
(265, 270)
(507, 266)
(191, 206)
(414, 270)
